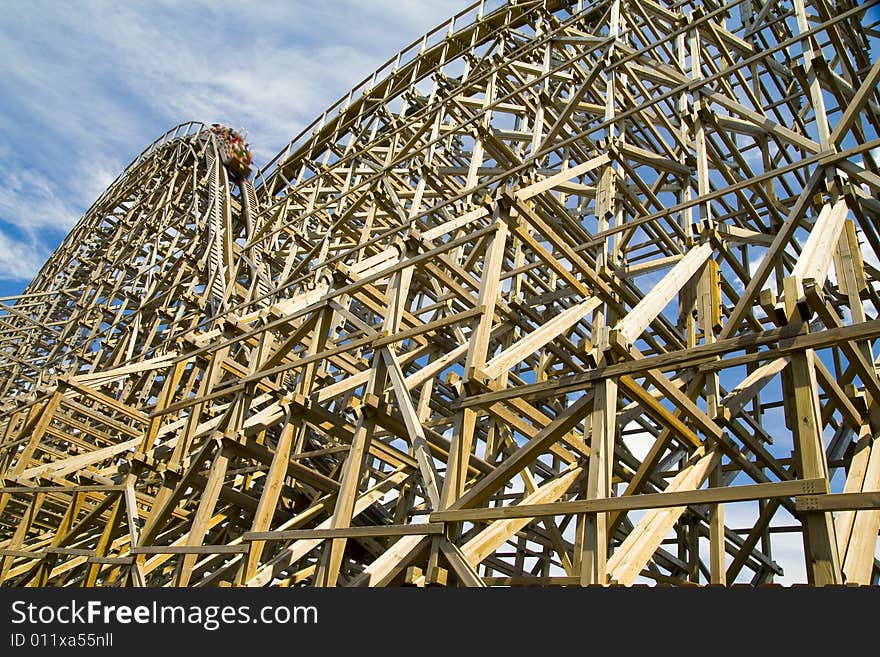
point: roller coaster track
(566, 293)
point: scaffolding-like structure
(559, 296)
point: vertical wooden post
(490, 286)
(331, 559)
(204, 512)
(709, 314)
(804, 419)
(594, 557)
(269, 498)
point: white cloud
(19, 260)
(87, 86)
(754, 263)
(639, 443)
(30, 199)
(868, 255)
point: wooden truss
(533, 305)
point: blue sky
(86, 85)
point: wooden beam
(490, 539)
(652, 304)
(840, 502)
(675, 498)
(346, 532)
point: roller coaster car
(237, 168)
(233, 151)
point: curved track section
(567, 293)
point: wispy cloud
(19, 259)
(86, 85)
(30, 199)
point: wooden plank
(768, 262)
(637, 549)
(863, 95)
(22, 554)
(111, 561)
(490, 539)
(857, 529)
(793, 488)
(267, 506)
(803, 417)
(638, 394)
(818, 252)
(840, 502)
(749, 387)
(562, 177)
(383, 570)
(783, 343)
(62, 488)
(595, 536)
(190, 549)
(770, 126)
(454, 224)
(424, 529)
(651, 305)
(513, 464)
(525, 580)
(296, 551)
(419, 443)
(64, 467)
(539, 337)
(488, 297)
(461, 565)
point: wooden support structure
(531, 306)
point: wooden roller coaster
(534, 304)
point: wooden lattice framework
(528, 306)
